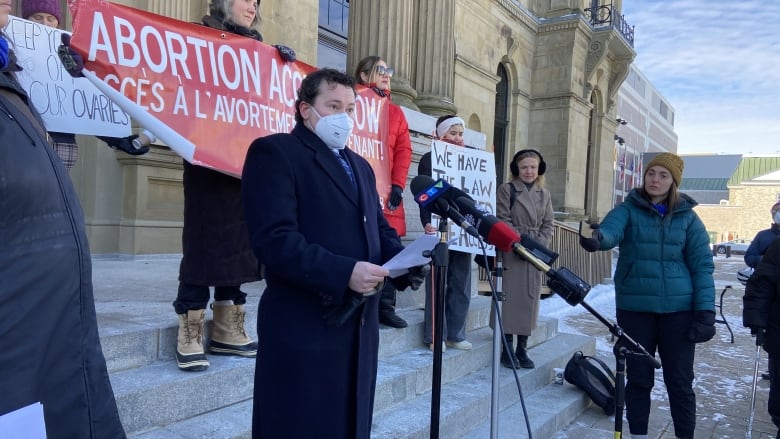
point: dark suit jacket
(309, 225)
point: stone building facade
(538, 74)
(747, 210)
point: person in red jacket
(373, 72)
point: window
(332, 34)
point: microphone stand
(497, 340)
(440, 259)
(573, 290)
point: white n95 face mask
(334, 129)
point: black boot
(522, 355)
(387, 315)
(505, 358)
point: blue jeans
(456, 299)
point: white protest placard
(66, 104)
(24, 423)
(474, 172)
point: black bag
(595, 378)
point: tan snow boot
(189, 347)
(229, 336)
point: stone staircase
(158, 401)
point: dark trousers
(774, 389)
(665, 333)
(387, 298)
(197, 296)
(457, 298)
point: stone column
(185, 10)
(435, 66)
(386, 29)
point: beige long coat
(531, 215)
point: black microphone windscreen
(420, 184)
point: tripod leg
(753, 393)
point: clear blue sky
(718, 63)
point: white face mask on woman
(776, 217)
(334, 129)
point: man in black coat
(316, 224)
(761, 313)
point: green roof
(752, 167)
(704, 184)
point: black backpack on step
(595, 378)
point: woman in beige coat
(524, 204)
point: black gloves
(396, 196)
(286, 53)
(125, 144)
(592, 243)
(760, 334)
(71, 60)
(703, 326)
(337, 316)
(413, 279)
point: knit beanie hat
(30, 7)
(670, 161)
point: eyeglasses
(382, 70)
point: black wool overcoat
(309, 226)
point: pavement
(140, 290)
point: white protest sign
(24, 423)
(66, 104)
(474, 172)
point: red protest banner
(207, 93)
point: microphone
(500, 234)
(436, 196)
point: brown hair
(366, 65)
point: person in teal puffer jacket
(664, 289)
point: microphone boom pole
(573, 290)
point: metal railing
(607, 15)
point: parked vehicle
(738, 246)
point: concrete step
(160, 394)
(232, 422)
(156, 399)
(406, 376)
(403, 396)
(393, 341)
(465, 402)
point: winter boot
(229, 336)
(189, 346)
(522, 355)
(506, 354)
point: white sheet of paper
(412, 256)
(24, 423)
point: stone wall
(747, 213)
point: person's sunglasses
(382, 70)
